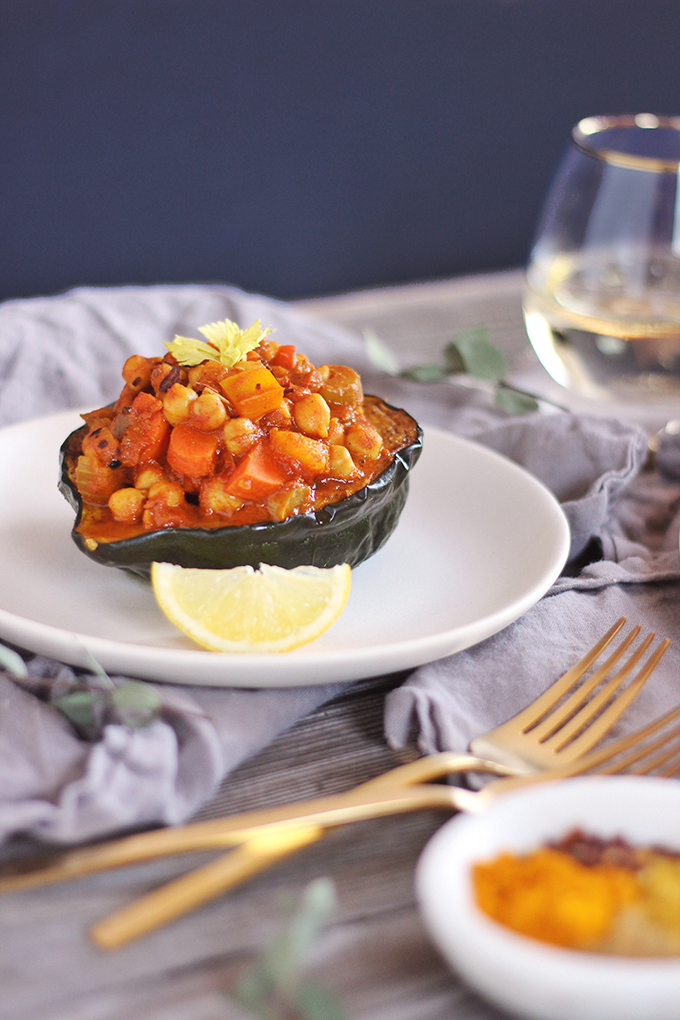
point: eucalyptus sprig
(470, 354)
(89, 707)
(89, 703)
(275, 987)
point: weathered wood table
(375, 955)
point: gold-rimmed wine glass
(602, 295)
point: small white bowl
(522, 975)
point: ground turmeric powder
(548, 895)
(587, 893)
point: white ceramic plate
(530, 978)
(479, 542)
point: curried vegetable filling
(208, 443)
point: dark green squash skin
(348, 531)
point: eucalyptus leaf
(273, 988)
(318, 902)
(425, 373)
(468, 353)
(136, 703)
(316, 1003)
(514, 401)
(453, 359)
(12, 662)
(480, 358)
(82, 708)
(319, 898)
(253, 986)
(379, 353)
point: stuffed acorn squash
(237, 451)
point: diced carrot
(285, 356)
(191, 452)
(257, 475)
(253, 393)
(146, 433)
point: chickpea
(267, 349)
(207, 412)
(312, 415)
(363, 442)
(336, 432)
(239, 435)
(176, 403)
(148, 474)
(168, 493)
(127, 504)
(208, 373)
(166, 506)
(137, 372)
(341, 464)
(215, 499)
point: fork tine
(592, 716)
(672, 771)
(533, 713)
(637, 755)
(568, 709)
(666, 756)
(604, 759)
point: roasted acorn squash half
(347, 531)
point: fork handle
(223, 832)
(266, 846)
(198, 887)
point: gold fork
(263, 840)
(558, 727)
(555, 729)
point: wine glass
(602, 295)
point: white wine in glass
(602, 295)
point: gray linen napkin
(625, 519)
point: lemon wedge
(246, 610)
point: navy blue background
(301, 147)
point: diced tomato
(285, 356)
